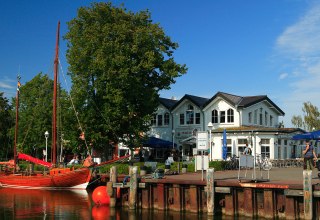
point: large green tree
(310, 119)
(35, 114)
(6, 122)
(119, 61)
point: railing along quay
(221, 193)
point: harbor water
(73, 204)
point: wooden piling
(307, 194)
(269, 204)
(110, 189)
(210, 191)
(133, 170)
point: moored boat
(55, 178)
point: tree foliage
(310, 119)
(35, 113)
(6, 122)
(119, 61)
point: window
(250, 117)
(243, 141)
(198, 118)
(266, 118)
(166, 118)
(265, 151)
(279, 152)
(285, 142)
(285, 153)
(265, 148)
(265, 141)
(230, 116)
(154, 120)
(182, 119)
(222, 117)
(260, 117)
(271, 120)
(214, 116)
(256, 116)
(279, 141)
(159, 120)
(190, 115)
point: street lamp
(46, 135)
(210, 126)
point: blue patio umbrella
(224, 145)
(154, 142)
(315, 135)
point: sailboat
(56, 178)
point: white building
(247, 119)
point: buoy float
(100, 212)
(100, 196)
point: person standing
(247, 150)
(308, 156)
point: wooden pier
(284, 195)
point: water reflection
(43, 204)
(58, 204)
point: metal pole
(46, 149)
(202, 164)
(210, 147)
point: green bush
(218, 165)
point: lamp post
(210, 125)
(46, 135)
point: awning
(190, 140)
(154, 142)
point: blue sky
(242, 47)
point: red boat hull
(59, 179)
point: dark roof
(168, 103)
(244, 101)
(198, 101)
(259, 129)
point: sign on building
(202, 140)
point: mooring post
(210, 191)
(133, 171)
(307, 194)
(113, 179)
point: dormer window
(214, 116)
(230, 116)
(166, 118)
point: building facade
(252, 120)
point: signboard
(202, 140)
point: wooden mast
(16, 127)
(54, 118)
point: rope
(74, 109)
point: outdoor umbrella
(154, 142)
(224, 144)
(315, 135)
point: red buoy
(100, 196)
(100, 212)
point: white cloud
(283, 76)
(5, 85)
(303, 37)
(298, 48)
